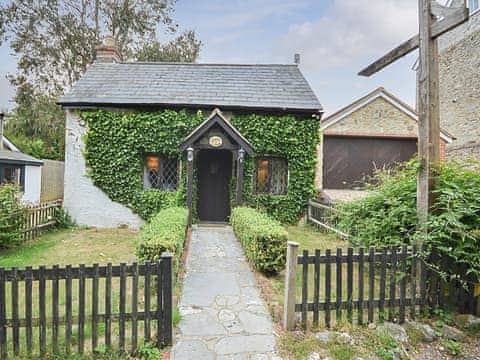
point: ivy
(116, 141)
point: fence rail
(39, 218)
(325, 216)
(60, 306)
(393, 283)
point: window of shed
(11, 175)
(473, 5)
(271, 176)
(160, 172)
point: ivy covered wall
(116, 141)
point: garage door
(349, 161)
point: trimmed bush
(263, 239)
(11, 216)
(165, 232)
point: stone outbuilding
(374, 132)
(460, 85)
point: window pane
(262, 176)
(152, 176)
(11, 175)
(473, 5)
(169, 174)
(279, 177)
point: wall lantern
(190, 154)
(241, 155)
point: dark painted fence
(65, 310)
(368, 286)
(40, 217)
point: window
(12, 175)
(160, 172)
(473, 5)
(271, 176)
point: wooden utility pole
(434, 20)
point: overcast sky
(336, 39)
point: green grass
(310, 238)
(74, 246)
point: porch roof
(18, 158)
(216, 117)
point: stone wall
(460, 88)
(86, 203)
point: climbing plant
(116, 141)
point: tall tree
(55, 40)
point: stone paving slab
(223, 315)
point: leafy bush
(264, 239)
(11, 216)
(63, 219)
(164, 232)
(149, 202)
(388, 216)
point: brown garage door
(349, 161)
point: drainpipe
(2, 117)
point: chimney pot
(296, 59)
(107, 52)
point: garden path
(223, 315)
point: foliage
(11, 216)
(164, 233)
(342, 351)
(388, 216)
(149, 351)
(63, 219)
(384, 346)
(184, 48)
(116, 142)
(263, 238)
(290, 137)
(55, 42)
(114, 149)
(453, 348)
(37, 124)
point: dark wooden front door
(214, 173)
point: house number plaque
(215, 141)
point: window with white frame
(160, 172)
(11, 175)
(271, 176)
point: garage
(350, 161)
(374, 132)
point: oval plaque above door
(215, 141)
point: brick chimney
(107, 52)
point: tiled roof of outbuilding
(281, 87)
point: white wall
(87, 204)
(33, 184)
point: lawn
(74, 246)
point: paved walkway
(223, 316)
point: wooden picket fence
(39, 218)
(52, 307)
(389, 284)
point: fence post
(290, 286)
(167, 287)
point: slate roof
(19, 158)
(194, 85)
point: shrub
(165, 232)
(263, 239)
(388, 216)
(11, 216)
(149, 202)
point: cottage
(374, 132)
(22, 170)
(141, 136)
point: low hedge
(263, 239)
(164, 232)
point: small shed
(374, 132)
(22, 170)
